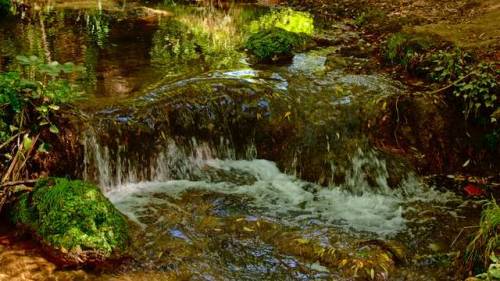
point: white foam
(280, 196)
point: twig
(14, 183)
(10, 140)
(26, 157)
(452, 84)
(13, 164)
(460, 233)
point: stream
(232, 170)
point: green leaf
(53, 129)
(27, 142)
(54, 107)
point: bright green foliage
(279, 33)
(486, 241)
(4, 7)
(274, 43)
(34, 94)
(72, 215)
(493, 273)
(287, 19)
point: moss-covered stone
(274, 44)
(74, 219)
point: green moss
(274, 43)
(287, 19)
(72, 215)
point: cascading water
(358, 204)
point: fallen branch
(15, 183)
(452, 84)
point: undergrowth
(485, 244)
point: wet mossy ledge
(74, 222)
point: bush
(4, 7)
(476, 84)
(406, 49)
(486, 241)
(274, 43)
(72, 215)
(30, 99)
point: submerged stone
(73, 221)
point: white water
(283, 197)
(355, 205)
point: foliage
(486, 241)
(480, 90)
(477, 85)
(448, 65)
(29, 99)
(273, 43)
(369, 16)
(5, 6)
(406, 49)
(211, 42)
(278, 33)
(175, 42)
(287, 19)
(493, 272)
(98, 27)
(73, 215)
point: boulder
(74, 222)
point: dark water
(232, 170)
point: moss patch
(72, 216)
(274, 43)
(287, 19)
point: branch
(452, 84)
(14, 183)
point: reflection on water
(126, 47)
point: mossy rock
(74, 222)
(275, 44)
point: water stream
(229, 170)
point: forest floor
(469, 24)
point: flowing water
(229, 170)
